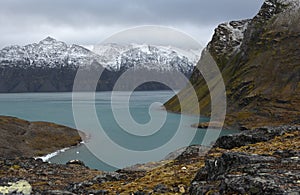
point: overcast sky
(88, 22)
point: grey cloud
(34, 18)
(79, 12)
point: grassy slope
(262, 79)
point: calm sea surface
(57, 107)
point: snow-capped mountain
(48, 53)
(161, 58)
(51, 65)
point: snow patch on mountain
(228, 37)
(50, 53)
(162, 58)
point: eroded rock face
(228, 38)
(239, 171)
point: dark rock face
(249, 174)
(251, 137)
(31, 139)
(237, 172)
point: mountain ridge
(261, 77)
(80, 56)
(51, 65)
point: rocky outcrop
(259, 62)
(240, 173)
(255, 164)
(250, 137)
(31, 139)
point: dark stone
(98, 192)
(160, 188)
(139, 193)
(190, 152)
(75, 162)
(109, 176)
(59, 192)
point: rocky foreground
(246, 163)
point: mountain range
(51, 65)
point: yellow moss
(15, 167)
(244, 115)
(41, 183)
(288, 141)
(170, 175)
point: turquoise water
(96, 153)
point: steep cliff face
(260, 63)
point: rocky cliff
(260, 63)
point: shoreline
(269, 146)
(46, 157)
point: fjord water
(57, 107)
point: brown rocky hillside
(260, 63)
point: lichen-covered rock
(19, 187)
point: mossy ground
(286, 142)
(174, 176)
